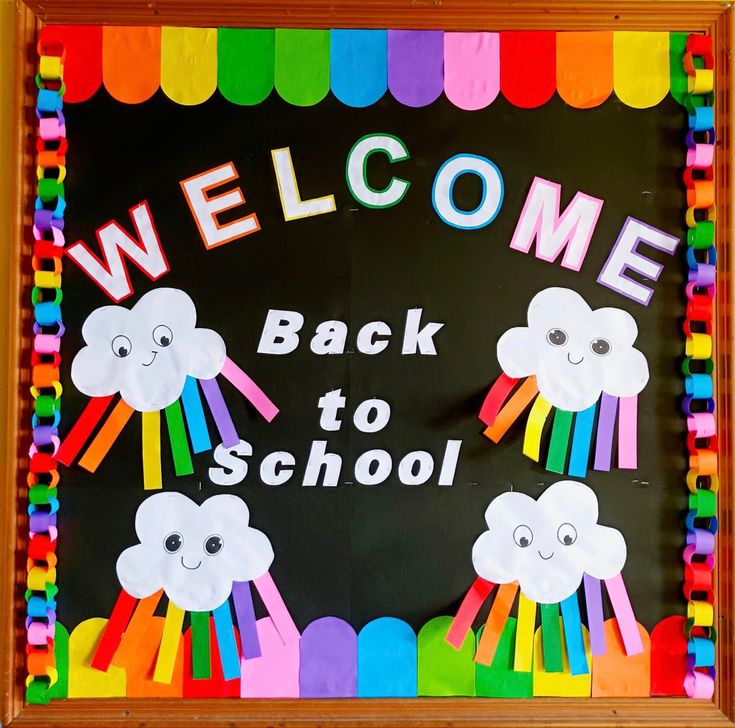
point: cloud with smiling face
(547, 545)
(146, 352)
(574, 352)
(193, 552)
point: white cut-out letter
(373, 467)
(330, 338)
(277, 468)
(419, 341)
(293, 206)
(356, 170)
(330, 404)
(365, 421)
(319, 458)
(367, 338)
(280, 332)
(234, 468)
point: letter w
(540, 221)
(111, 273)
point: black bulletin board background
(353, 551)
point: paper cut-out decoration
(501, 679)
(669, 657)
(562, 683)
(617, 675)
(198, 555)
(155, 358)
(140, 668)
(275, 673)
(85, 681)
(60, 689)
(570, 358)
(545, 548)
(328, 660)
(386, 659)
(443, 671)
(214, 686)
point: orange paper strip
(106, 436)
(495, 623)
(510, 413)
(129, 651)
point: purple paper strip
(218, 408)
(605, 431)
(415, 66)
(595, 619)
(245, 611)
(328, 660)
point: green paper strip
(302, 65)
(677, 46)
(557, 458)
(200, 657)
(60, 689)
(500, 680)
(245, 62)
(177, 436)
(551, 637)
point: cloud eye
(121, 346)
(601, 347)
(557, 337)
(523, 536)
(567, 534)
(162, 335)
(173, 542)
(213, 545)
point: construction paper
(641, 67)
(276, 607)
(188, 64)
(471, 69)
(245, 64)
(152, 478)
(302, 65)
(194, 552)
(195, 420)
(535, 428)
(551, 637)
(628, 432)
(177, 438)
(114, 629)
(605, 432)
(358, 66)
(386, 659)
(495, 398)
(502, 604)
(547, 544)
(615, 674)
(249, 389)
(572, 622)
(559, 684)
(60, 689)
(527, 67)
(83, 58)
(275, 674)
(584, 67)
(105, 438)
(139, 674)
(581, 441)
(84, 680)
(442, 670)
(678, 75)
(593, 600)
(512, 410)
(242, 598)
(82, 429)
(228, 651)
(220, 413)
(468, 609)
(415, 66)
(170, 639)
(523, 658)
(574, 352)
(131, 62)
(700, 684)
(216, 686)
(328, 666)
(557, 458)
(200, 655)
(624, 614)
(128, 653)
(501, 680)
(146, 352)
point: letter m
(540, 221)
(111, 273)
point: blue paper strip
(386, 660)
(573, 636)
(359, 66)
(226, 641)
(198, 432)
(581, 441)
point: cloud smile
(155, 354)
(569, 357)
(191, 568)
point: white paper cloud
(548, 544)
(146, 353)
(193, 552)
(574, 352)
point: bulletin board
(376, 373)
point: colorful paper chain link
(698, 366)
(43, 475)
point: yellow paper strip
(535, 427)
(166, 661)
(523, 661)
(188, 64)
(641, 76)
(152, 479)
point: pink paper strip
(605, 432)
(275, 674)
(624, 614)
(471, 69)
(250, 390)
(276, 608)
(628, 433)
(595, 617)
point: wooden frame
(717, 18)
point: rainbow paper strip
(499, 612)
(151, 444)
(495, 398)
(523, 659)
(535, 428)
(170, 639)
(624, 614)
(111, 637)
(82, 429)
(595, 617)
(249, 389)
(605, 432)
(573, 636)
(105, 438)
(581, 441)
(471, 604)
(557, 458)
(201, 656)
(218, 408)
(242, 598)
(276, 608)
(177, 437)
(195, 420)
(628, 433)
(551, 637)
(225, 630)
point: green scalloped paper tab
(500, 680)
(302, 65)
(442, 670)
(245, 64)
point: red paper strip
(496, 398)
(114, 630)
(473, 600)
(528, 67)
(79, 434)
